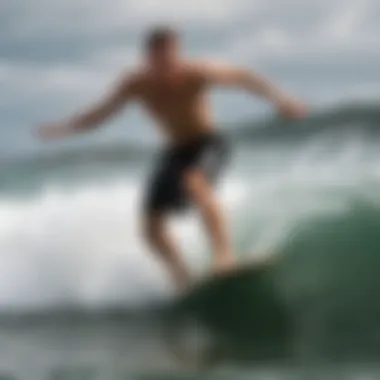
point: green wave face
(319, 301)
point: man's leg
(158, 237)
(202, 195)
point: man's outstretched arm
(124, 91)
(220, 74)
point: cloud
(23, 79)
(60, 54)
(71, 18)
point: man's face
(164, 55)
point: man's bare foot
(264, 260)
(223, 264)
(226, 264)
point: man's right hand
(292, 109)
(53, 131)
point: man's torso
(177, 101)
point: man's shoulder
(207, 63)
(198, 65)
(135, 74)
(134, 79)
(198, 70)
(205, 67)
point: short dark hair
(160, 36)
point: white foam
(83, 248)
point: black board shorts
(166, 190)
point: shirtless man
(174, 91)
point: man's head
(162, 46)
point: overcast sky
(57, 55)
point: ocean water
(82, 297)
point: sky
(57, 56)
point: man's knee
(197, 186)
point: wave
(318, 301)
(68, 247)
(366, 114)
